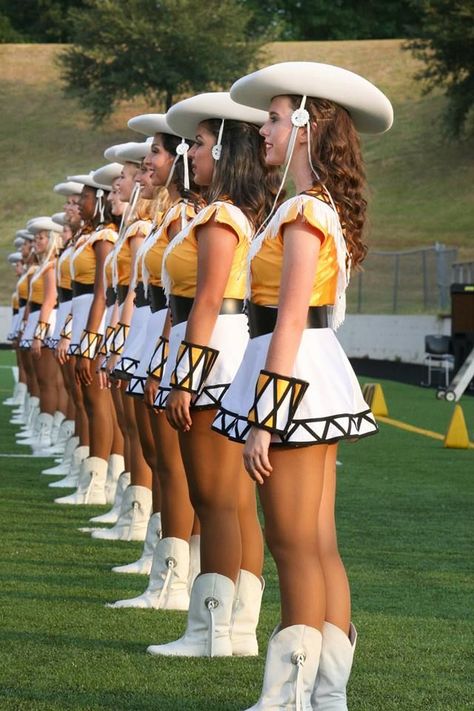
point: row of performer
(175, 336)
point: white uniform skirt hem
(137, 334)
(80, 308)
(230, 337)
(154, 329)
(332, 407)
(63, 311)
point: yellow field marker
(417, 430)
(374, 397)
(457, 436)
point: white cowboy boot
(18, 397)
(142, 566)
(64, 466)
(167, 587)
(290, 669)
(58, 419)
(134, 516)
(43, 441)
(337, 653)
(194, 560)
(245, 613)
(208, 630)
(91, 485)
(60, 439)
(112, 515)
(115, 467)
(72, 477)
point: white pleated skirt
(137, 335)
(230, 337)
(80, 308)
(154, 329)
(332, 407)
(21, 313)
(53, 317)
(15, 320)
(63, 311)
(29, 332)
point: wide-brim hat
(38, 224)
(18, 242)
(108, 173)
(69, 188)
(369, 108)
(59, 217)
(14, 257)
(24, 234)
(130, 152)
(185, 116)
(149, 124)
(87, 179)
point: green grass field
(420, 184)
(405, 522)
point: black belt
(15, 311)
(157, 298)
(262, 319)
(122, 291)
(181, 306)
(79, 289)
(34, 306)
(140, 296)
(110, 296)
(22, 302)
(64, 294)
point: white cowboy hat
(107, 174)
(87, 179)
(18, 242)
(130, 152)
(69, 188)
(14, 257)
(149, 124)
(59, 217)
(369, 108)
(38, 224)
(185, 116)
(24, 234)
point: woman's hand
(104, 381)
(177, 410)
(256, 459)
(84, 371)
(150, 391)
(62, 350)
(36, 348)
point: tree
(36, 20)
(446, 46)
(160, 49)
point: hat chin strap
(181, 151)
(217, 148)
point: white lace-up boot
(337, 653)
(208, 630)
(290, 669)
(112, 515)
(134, 516)
(115, 468)
(167, 587)
(142, 566)
(18, 397)
(245, 613)
(29, 431)
(194, 560)
(58, 419)
(91, 484)
(60, 439)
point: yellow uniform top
(153, 257)
(22, 285)
(124, 255)
(267, 258)
(15, 300)
(37, 285)
(84, 261)
(181, 259)
(64, 268)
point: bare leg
(147, 442)
(338, 595)
(98, 404)
(120, 443)
(27, 359)
(291, 499)
(46, 373)
(177, 513)
(250, 529)
(140, 472)
(81, 419)
(213, 467)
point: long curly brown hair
(336, 155)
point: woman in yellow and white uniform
(295, 395)
(204, 275)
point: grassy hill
(420, 184)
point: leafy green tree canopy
(160, 49)
(446, 46)
(35, 20)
